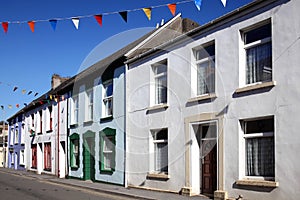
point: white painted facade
(232, 103)
(54, 135)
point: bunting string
(98, 17)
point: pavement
(134, 193)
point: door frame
(192, 177)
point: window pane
(260, 157)
(108, 89)
(259, 63)
(206, 77)
(260, 126)
(161, 164)
(258, 34)
(161, 90)
(205, 52)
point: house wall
(228, 108)
(96, 125)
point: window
(22, 157)
(41, 121)
(108, 98)
(74, 151)
(23, 133)
(259, 147)
(160, 142)
(258, 49)
(75, 109)
(108, 145)
(47, 156)
(12, 158)
(50, 126)
(34, 156)
(90, 101)
(17, 135)
(11, 137)
(161, 81)
(205, 63)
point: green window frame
(107, 150)
(74, 151)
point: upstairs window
(75, 109)
(41, 121)
(89, 104)
(258, 49)
(205, 63)
(160, 80)
(108, 98)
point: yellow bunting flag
(147, 12)
(31, 25)
(172, 8)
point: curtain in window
(161, 163)
(206, 77)
(260, 157)
(161, 90)
(259, 63)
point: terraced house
(213, 111)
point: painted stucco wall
(280, 101)
(97, 125)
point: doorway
(206, 135)
(89, 156)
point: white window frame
(75, 109)
(11, 136)
(12, 157)
(22, 157)
(23, 133)
(246, 136)
(107, 140)
(195, 72)
(156, 77)
(153, 153)
(16, 135)
(89, 105)
(245, 47)
(107, 100)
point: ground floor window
(34, 156)
(22, 157)
(259, 147)
(74, 150)
(160, 143)
(47, 156)
(107, 150)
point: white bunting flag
(224, 2)
(76, 22)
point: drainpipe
(58, 113)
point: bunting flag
(15, 88)
(23, 91)
(17, 105)
(76, 22)
(31, 25)
(41, 102)
(224, 2)
(50, 97)
(198, 4)
(98, 19)
(10, 106)
(53, 23)
(5, 26)
(29, 92)
(124, 15)
(2, 107)
(172, 8)
(36, 94)
(25, 104)
(147, 12)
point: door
(34, 156)
(89, 159)
(209, 170)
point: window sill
(202, 97)
(158, 107)
(107, 118)
(88, 122)
(257, 183)
(74, 125)
(49, 131)
(158, 176)
(256, 86)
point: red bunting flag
(31, 25)
(41, 103)
(5, 26)
(99, 19)
(17, 105)
(172, 8)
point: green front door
(89, 157)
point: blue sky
(28, 59)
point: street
(20, 187)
